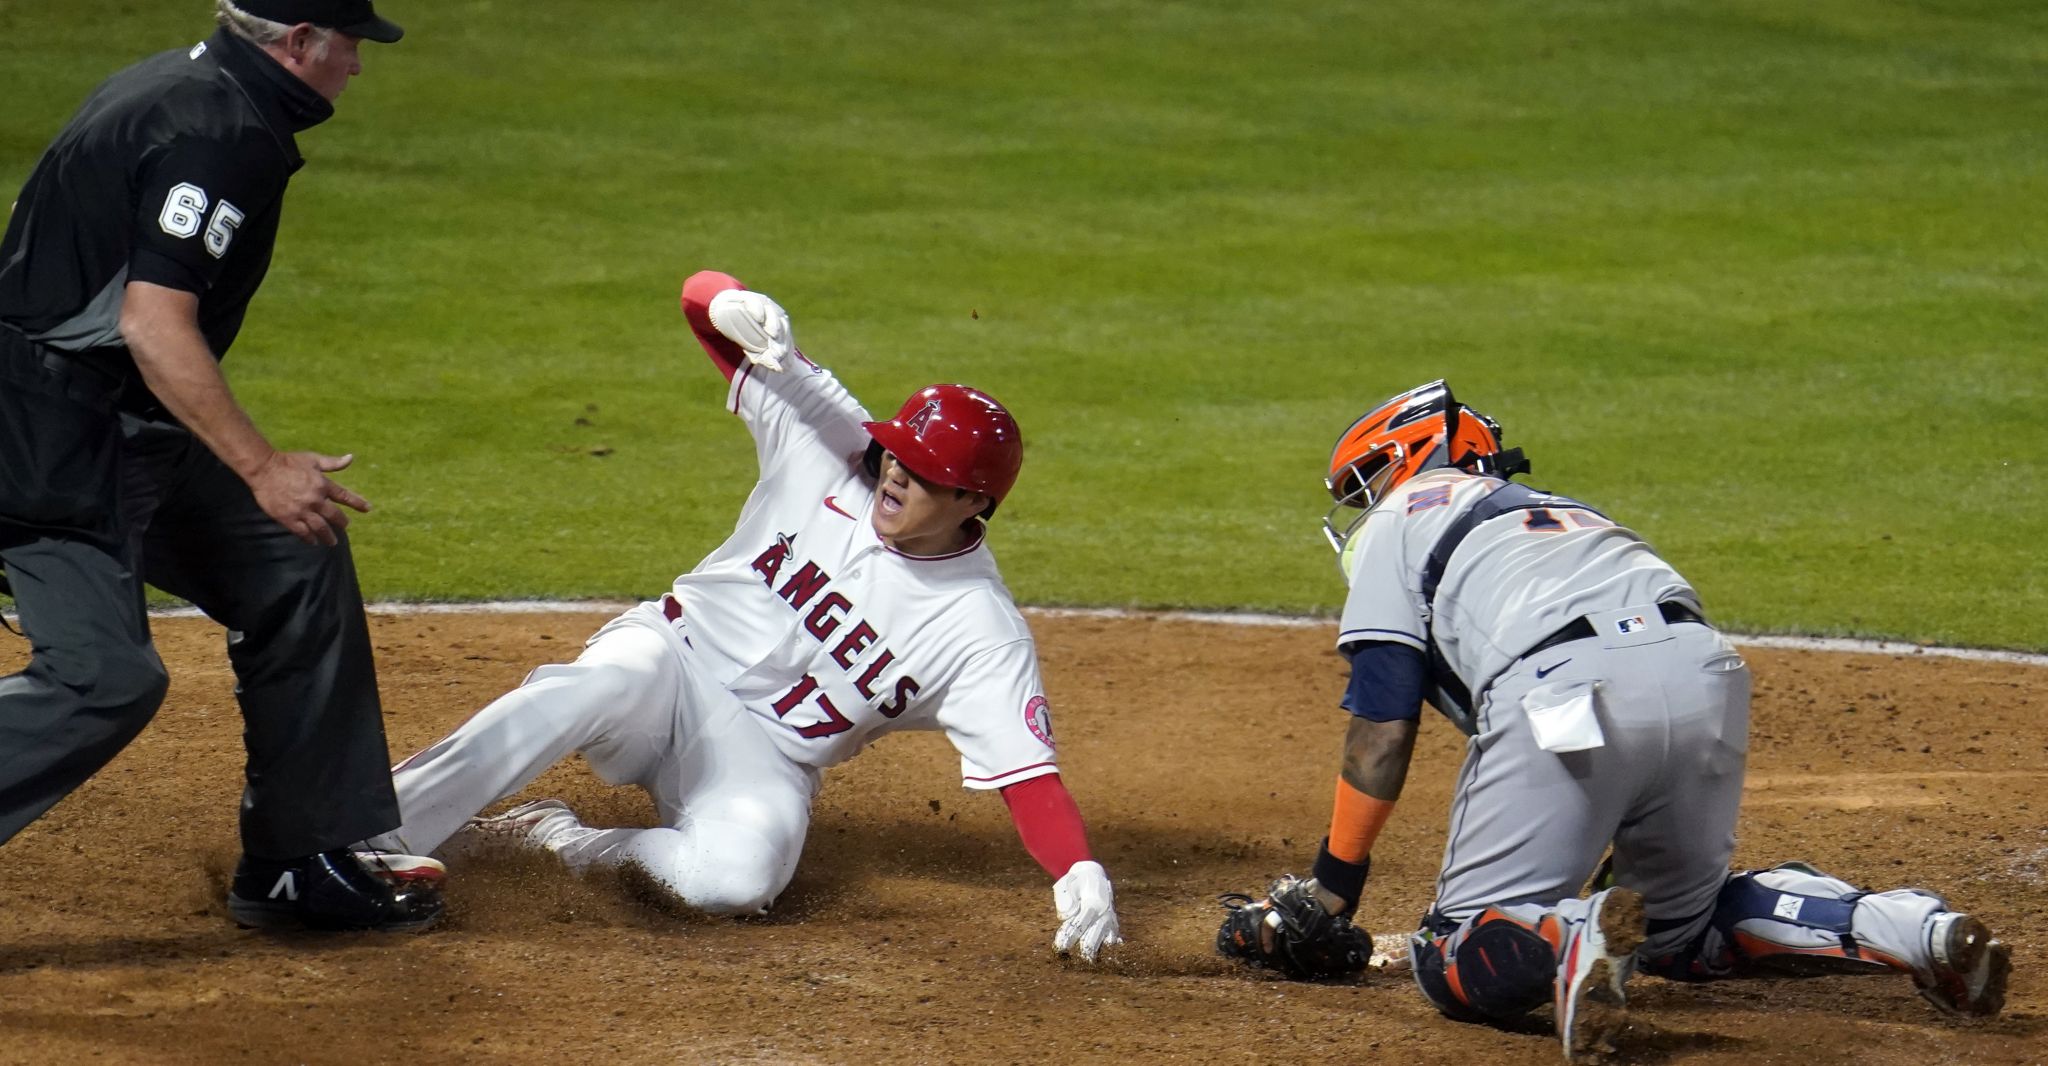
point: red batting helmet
(954, 436)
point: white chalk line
(1833, 644)
(1223, 618)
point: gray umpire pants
(92, 504)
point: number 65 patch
(185, 207)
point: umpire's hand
(293, 488)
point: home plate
(1390, 953)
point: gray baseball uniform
(1563, 743)
(1601, 709)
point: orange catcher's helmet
(1421, 429)
(954, 436)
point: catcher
(1604, 712)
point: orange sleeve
(1355, 822)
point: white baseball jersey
(832, 638)
(1515, 580)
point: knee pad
(1495, 969)
(1426, 962)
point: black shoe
(331, 890)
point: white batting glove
(1087, 910)
(757, 324)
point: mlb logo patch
(1632, 624)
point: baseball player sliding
(1603, 710)
(855, 596)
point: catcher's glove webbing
(1306, 941)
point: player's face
(323, 61)
(917, 517)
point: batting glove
(1087, 910)
(757, 324)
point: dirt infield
(917, 929)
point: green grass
(1762, 280)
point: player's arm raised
(737, 326)
(796, 411)
(1049, 822)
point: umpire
(128, 263)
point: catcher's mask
(1422, 429)
(954, 436)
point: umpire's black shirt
(173, 172)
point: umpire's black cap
(353, 17)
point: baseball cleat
(524, 828)
(1969, 969)
(334, 890)
(398, 869)
(1592, 972)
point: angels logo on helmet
(954, 436)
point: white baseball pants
(734, 809)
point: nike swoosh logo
(1545, 671)
(834, 508)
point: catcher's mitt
(1289, 931)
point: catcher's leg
(1794, 919)
(1529, 824)
(1506, 961)
(1509, 962)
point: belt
(82, 379)
(80, 371)
(1581, 628)
(670, 609)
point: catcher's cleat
(333, 890)
(524, 828)
(1592, 972)
(1969, 969)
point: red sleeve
(1049, 823)
(697, 294)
